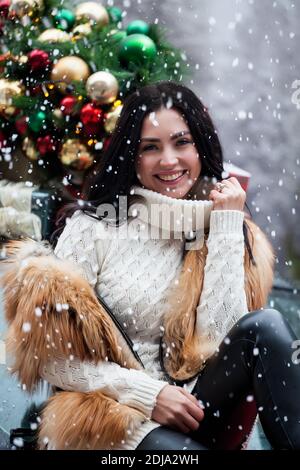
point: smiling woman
(127, 321)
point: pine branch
(99, 49)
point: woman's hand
(177, 409)
(232, 196)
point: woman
(179, 275)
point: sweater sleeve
(127, 386)
(223, 297)
(86, 244)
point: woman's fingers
(177, 408)
(184, 418)
(231, 197)
(193, 406)
(214, 194)
(191, 397)
(191, 423)
(195, 411)
(234, 181)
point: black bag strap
(120, 328)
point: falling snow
(26, 327)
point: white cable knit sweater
(133, 275)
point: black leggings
(252, 371)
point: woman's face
(167, 160)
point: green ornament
(137, 48)
(138, 27)
(118, 35)
(36, 121)
(64, 19)
(115, 14)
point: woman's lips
(172, 181)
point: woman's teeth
(173, 177)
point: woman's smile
(171, 178)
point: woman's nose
(168, 159)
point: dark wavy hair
(115, 174)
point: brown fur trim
(73, 421)
(258, 277)
(70, 319)
(185, 350)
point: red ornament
(21, 125)
(90, 114)
(38, 60)
(3, 58)
(67, 104)
(106, 143)
(92, 119)
(4, 7)
(90, 130)
(46, 144)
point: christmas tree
(64, 73)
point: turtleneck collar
(169, 215)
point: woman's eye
(148, 147)
(154, 147)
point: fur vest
(34, 276)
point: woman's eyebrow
(174, 136)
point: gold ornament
(68, 69)
(26, 7)
(54, 35)
(75, 155)
(8, 91)
(57, 114)
(29, 149)
(102, 87)
(58, 118)
(81, 30)
(9, 111)
(111, 119)
(93, 12)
